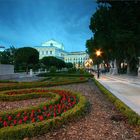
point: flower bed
(54, 82)
(32, 121)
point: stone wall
(6, 69)
(7, 72)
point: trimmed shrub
(132, 116)
(65, 106)
(44, 83)
(53, 69)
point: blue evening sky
(32, 22)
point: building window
(42, 52)
(46, 52)
(50, 52)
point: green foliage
(8, 56)
(71, 70)
(53, 61)
(54, 82)
(133, 117)
(82, 71)
(26, 56)
(69, 65)
(72, 75)
(53, 69)
(116, 29)
(29, 130)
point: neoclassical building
(56, 49)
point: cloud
(29, 22)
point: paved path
(95, 125)
(126, 88)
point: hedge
(132, 116)
(23, 85)
(64, 75)
(21, 131)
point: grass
(46, 82)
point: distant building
(56, 49)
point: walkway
(126, 88)
(95, 125)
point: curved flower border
(32, 122)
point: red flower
(54, 114)
(54, 109)
(50, 106)
(45, 108)
(15, 122)
(9, 118)
(59, 110)
(33, 120)
(48, 115)
(25, 118)
(18, 115)
(5, 124)
(0, 119)
(25, 112)
(41, 118)
(32, 114)
(39, 110)
(20, 121)
(69, 100)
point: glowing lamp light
(98, 52)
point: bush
(53, 82)
(75, 106)
(81, 71)
(53, 69)
(132, 116)
(71, 70)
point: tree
(27, 56)
(8, 56)
(53, 61)
(69, 65)
(116, 29)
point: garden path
(97, 124)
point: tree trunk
(128, 68)
(27, 69)
(116, 66)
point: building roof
(53, 43)
(76, 53)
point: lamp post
(88, 64)
(139, 67)
(98, 53)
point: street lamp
(98, 53)
(88, 63)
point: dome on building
(53, 43)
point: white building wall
(77, 58)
